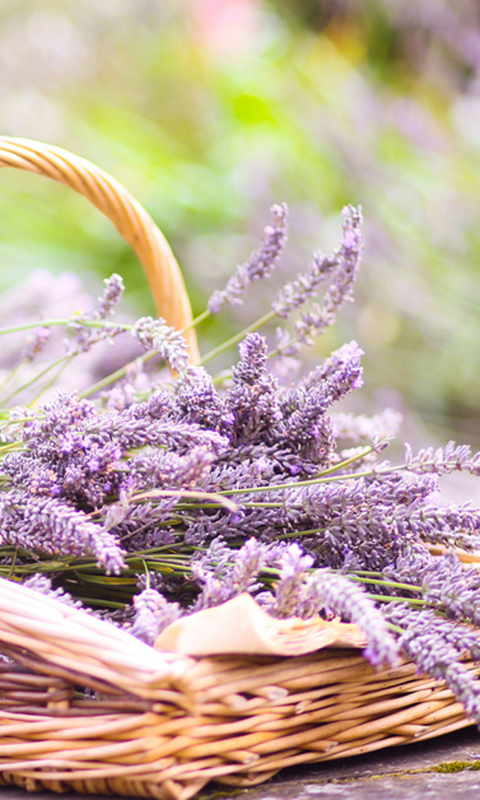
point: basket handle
(129, 217)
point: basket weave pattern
(156, 724)
(164, 725)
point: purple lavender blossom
(309, 431)
(253, 360)
(369, 520)
(152, 611)
(248, 563)
(111, 296)
(155, 334)
(344, 263)
(63, 457)
(329, 591)
(260, 265)
(454, 526)
(435, 646)
(165, 469)
(464, 638)
(215, 560)
(214, 591)
(252, 401)
(84, 336)
(307, 428)
(135, 427)
(212, 571)
(289, 588)
(225, 573)
(143, 525)
(146, 606)
(57, 417)
(443, 460)
(47, 526)
(446, 583)
(36, 342)
(346, 357)
(296, 293)
(43, 584)
(197, 399)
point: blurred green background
(211, 110)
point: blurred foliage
(211, 110)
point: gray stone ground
(416, 771)
(423, 770)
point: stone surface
(422, 770)
(419, 770)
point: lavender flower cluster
(203, 489)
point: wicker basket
(160, 724)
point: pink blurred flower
(226, 27)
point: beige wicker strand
(332, 704)
(68, 637)
(129, 217)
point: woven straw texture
(164, 725)
(157, 724)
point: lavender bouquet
(146, 497)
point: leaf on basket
(241, 626)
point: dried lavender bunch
(198, 490)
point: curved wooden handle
(129, 217)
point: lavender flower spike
(48, 526)
(334, 592)
(345, 260)
(36, 343)
(147, 604)
(84, 337)
(289, 588)
(169, 343)
(316, 321)
(112, 294)
(248, 563)
(443, 460)
(436, 646)
(260, 265)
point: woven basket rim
(164, 725)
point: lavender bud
(169, 343)
(260, 265)
(36, 342)
(111, 296)
(345, 261)
(289, 588)
(328, 590)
